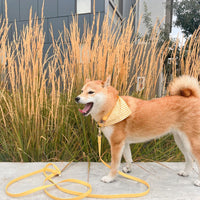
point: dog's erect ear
(108, 81)
(87, 80)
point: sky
(177, 32)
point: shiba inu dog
(178, 113)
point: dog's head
(94, 96)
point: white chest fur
(107, 131)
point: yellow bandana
(120, 112)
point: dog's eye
(90, 92)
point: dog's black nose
(77, 99)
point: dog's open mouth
(87, 108)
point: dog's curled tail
(185, 86)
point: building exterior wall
(127, 5)
(157, 8)
(56, 12)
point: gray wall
(56, 12)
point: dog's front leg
(116, 154)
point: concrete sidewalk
(162, 177)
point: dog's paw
(183, 173)
(197, 183)
(107, 179)
(126, 169)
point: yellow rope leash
(54, 172)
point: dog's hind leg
(183, 144)
(197, 181)
(196, 153)
(128, 158)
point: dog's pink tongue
(81, 111)
(86, 108)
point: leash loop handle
(54, 172)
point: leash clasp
(99, 131)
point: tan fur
(179, 113)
